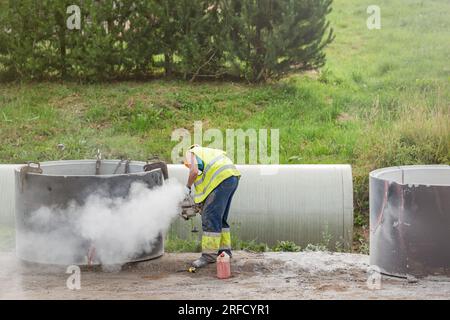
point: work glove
(187, 191)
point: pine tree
(169, 30)
(201, 46)
(140, 38)
(272, 37)
(254, 39)
(28, 36)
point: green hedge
(193, 39)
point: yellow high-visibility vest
(216, 168)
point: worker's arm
(193, 169)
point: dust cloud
(107, 231)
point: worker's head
(187, 158)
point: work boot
(201, 262)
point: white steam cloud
(104, 230)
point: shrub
(286, 246)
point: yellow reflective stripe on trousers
(210, 242)
(225, 239)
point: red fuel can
(223, 266)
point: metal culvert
(306, 204)
(410, 220)
(60, 184)
(7, 197)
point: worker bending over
(215, 179)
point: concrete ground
(303, 275)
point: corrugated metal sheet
(7, 193)
(298, 203)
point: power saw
(189, 208)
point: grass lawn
(383, 99)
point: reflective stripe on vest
(217, 167)
(226, 167)
(205, 170)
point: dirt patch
(74, 102)
(302, 275)
(345, 117)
